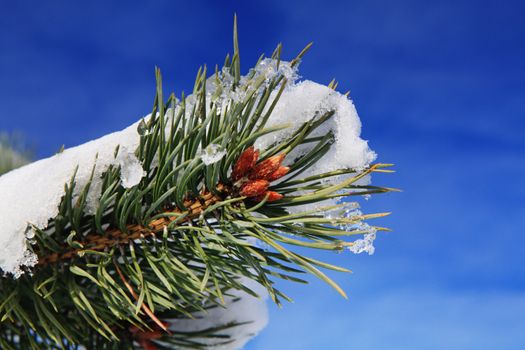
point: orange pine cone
(272, 196)
(280, 172)
(254, 188)
(246, 161)
(267, 167)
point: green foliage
(12, 155)
(96, 296)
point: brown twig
(116, 237)
(144, 307)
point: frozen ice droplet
(212, 154)
(30, 233)
(142, 128)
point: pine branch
(182, 240)
(114, 237)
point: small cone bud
(246, 161)
(147, 345)
(254, 188)
(134, 329)
(157, 334)
(265, 169)
(280, 172)
(145, 337)
(272, 196)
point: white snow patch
(31, 194)
(248, 309)
(307, 100)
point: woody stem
(116, 237)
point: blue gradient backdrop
(439, 86)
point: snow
(268, 67)
(350, 210)
(364, 245)
(212, 154)
(31, 194)
(222, 91)
(307, 100)
(131, 171)
(247, 309)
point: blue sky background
(439, 86)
